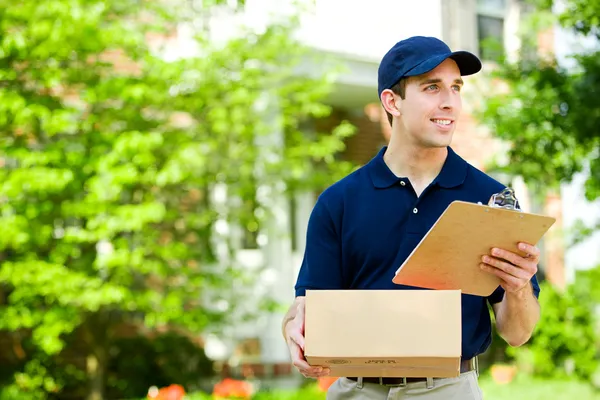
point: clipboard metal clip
(505, 199)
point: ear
(388, 100)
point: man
(364, 226)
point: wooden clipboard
(449, 255)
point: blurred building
(357, 35)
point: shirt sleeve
(498, 294)
(321, 265)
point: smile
(442, 121)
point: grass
(522, 388)
(537, 389)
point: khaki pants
(465, 387)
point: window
(491, 16)
(492, 4)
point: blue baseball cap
(418, 55)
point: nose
(449, 99)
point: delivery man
(364, 226)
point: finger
(309, 371)
(304, 367)
(316, 375)
(533, 251)
(507, 267)
(300, 362)
(297, 356)
(508, 258)
(512, 258)
(508, 279)
(312, 374)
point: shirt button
(415, 211)
(402, 183)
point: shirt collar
(453, 173)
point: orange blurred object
(325, 381)
(232, 388)
(503, 374)
(171, 392)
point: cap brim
(468, 63)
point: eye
(457, 88)
(431, 87)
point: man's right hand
(294, 335)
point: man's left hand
(514, 270)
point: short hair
(400, 89)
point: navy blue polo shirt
(363, 227)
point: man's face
(431, 106)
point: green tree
(566, 341)
(118, 164)
(550, 113)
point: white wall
(575, 207)
(369, 28)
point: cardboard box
(384, 333)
